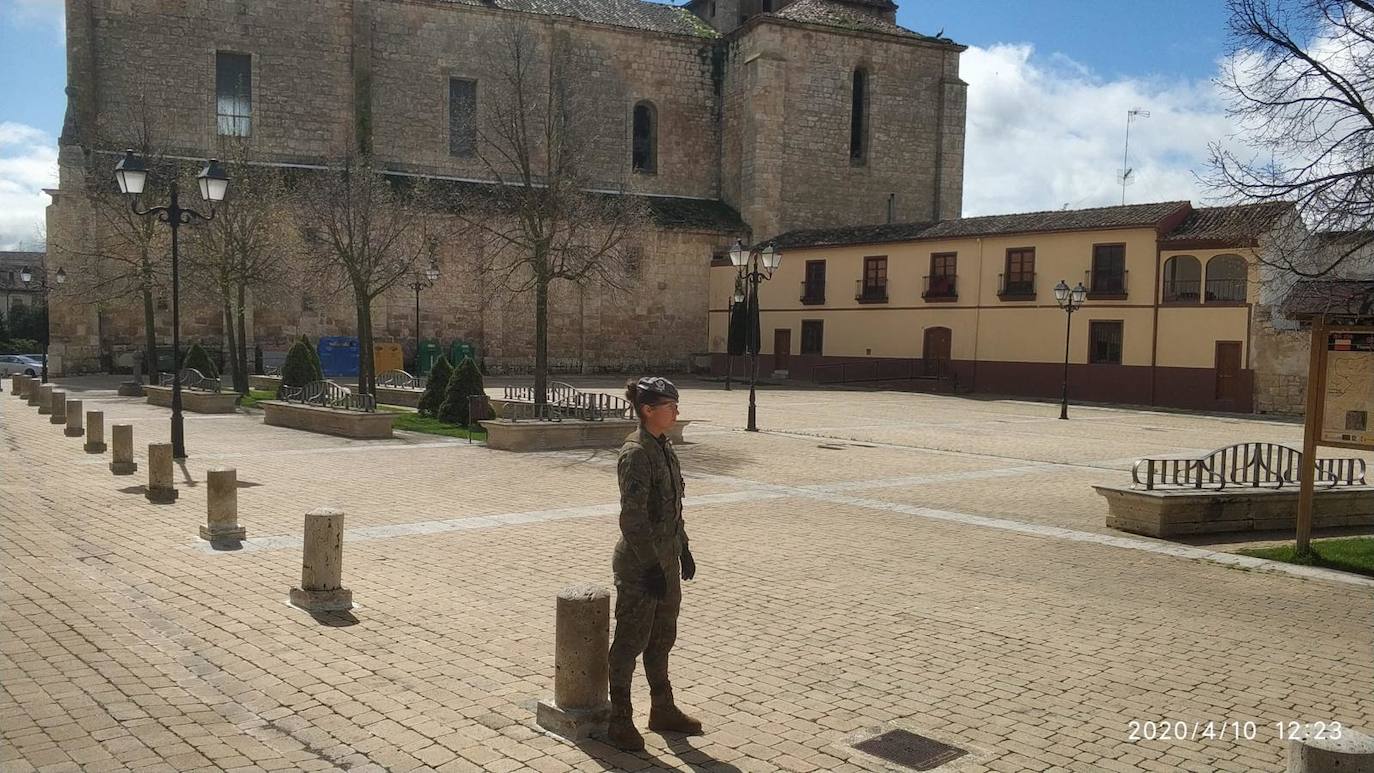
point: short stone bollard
(44, 399)
(29, 390)
(321, 587)
(74, 426)
(1317, 749)
(222, 507)
(57, 407)
(160, 489)
(579, 707)
(122, 457)
(95, 432)
(14, 383)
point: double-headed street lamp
(132, 175)
(736, 302)
(26, 276)
(422, 282)
(755, 266)
(1070, 301)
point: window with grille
(462, 117)
(812, 335)
(234, 94)
(1109, 269)
(1104, 342)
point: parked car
(20, 364)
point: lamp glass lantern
(214, 183)
(25, 275)
(772, 258)
(1061, 292)
(432, 273)
(739, 254)
(1080, 294)
(131, 174)
(61, 275)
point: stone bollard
(160, 487)
(74, 426)
(222, 506)
(14, 383)
(95, 432)
(29, 390)
(1317, 750)
(122, 461)
(57, 407)
(322, 564)
(579, 707)
(44, 399)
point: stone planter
(1175, 512)
(193, 400)
(506, 435)
(409, 398)
(328, 421)
(264, 383)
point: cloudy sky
(1050, 83)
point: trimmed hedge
(465, 382)
(436, 388)
(314, 355)
(299, 369)
(199, 359)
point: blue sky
(1050, 84)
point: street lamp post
(422, 282)
(26, 276)
(755, 266)
(1070, 301)
(132, 175)
(735, 300)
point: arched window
(1182, 279)
(858, 118)
(644, 153)
(1226, 279)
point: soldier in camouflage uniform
(649, 558)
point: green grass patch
(256, 396)
(1355, 554)
(414, 422)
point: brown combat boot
(670, 719)
(621, 733)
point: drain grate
(910, 750)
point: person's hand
(689, 564)
(655, 582)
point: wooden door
(1228, 365)
(782, 348)
(935, 352)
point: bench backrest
(327, 394)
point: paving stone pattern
(871, 560)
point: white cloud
(48, 13)
(28, 164)
(1045, 132)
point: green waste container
(428, 354)
(458, 350)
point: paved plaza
(870, 560)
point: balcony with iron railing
(870, 293)
(1106, 285)
(941, 287)
(1225, 291)
(1182, 291)
(812, 293)
(1018, 287)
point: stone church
(732, 118)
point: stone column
(74, 426)
(222, 506)
(95, 432)
(57, 407)
(160, 487)
(321, 587)
(582, 642)
(1352, 752)
(122, 461)
(44, 399)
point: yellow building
(969, 305)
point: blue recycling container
(338, 356)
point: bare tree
(367, 232)
(240, 251)
(130, 256)
(542, 221)
(1300, 81)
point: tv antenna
(1127, 175)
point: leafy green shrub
(465, 382)
(299, 369)
(19, 346)
(436, 387)
(199, 359)
(314, 355)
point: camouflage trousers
(648, 626)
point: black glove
(689, 564)
(655, 583)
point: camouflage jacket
(651, 491)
